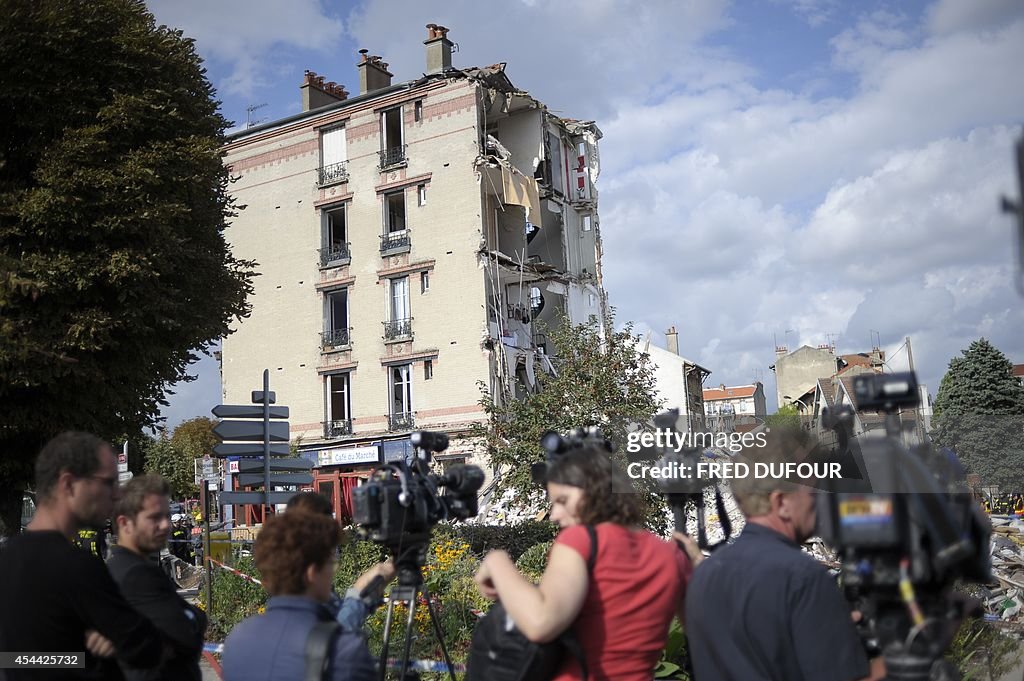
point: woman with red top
(621, 610)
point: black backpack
(499, 652)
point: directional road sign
(276, 479)
(252, 431)
(255, 466)
(248, 411)
(249, 449)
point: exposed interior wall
(520, 133)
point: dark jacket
(182, 625)
(271, 646)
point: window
(424, 282)
(428, 370)
(333, 156)
(392, 137)
(399, 298)
(339, 408)
(417, 111)
(401, 389)
(421, 195)
(335, 235)
(586, 223)
(394, 212)
(536, 302)
(336, 318)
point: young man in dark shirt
(143, 524)
(761, 609)
(57, 598)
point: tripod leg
(387, 640)
(440, 634)
(409, 623)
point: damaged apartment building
(413, 241)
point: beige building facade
(413, 242)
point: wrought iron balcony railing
(392, 156)
(336, 172)
(398, 329)
(402, 421)
(397, 242)
(337, 428)
(336, 253)
(335, 338)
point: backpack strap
(318, 647)
(592, 531)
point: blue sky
(818, 166)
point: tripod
(410, 584)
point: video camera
(905, 527)
(402, 501)
(556, 445)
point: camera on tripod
(402, 501)
(556, 445)
(905, 528)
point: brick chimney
(316, 93)
(439, 49)
(672, 340)
(373, 73)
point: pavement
(209, 674)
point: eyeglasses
(109, 482)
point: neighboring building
(412, 241)
(679, 383)
(797, 373)
(1018, 373)
(741, 406)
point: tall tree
(173, 465)
(979, 412)
(601, 378)
(114, 270)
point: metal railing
(334, 338)
(336, 172)
(334, 253)
(392, 156)
(398, 329)
(395, 242)
(338, 428)
(402, 421)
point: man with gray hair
(143, 525)
(761, 609)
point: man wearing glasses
(57, 598)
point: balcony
(335, 338)
(398, 329)
(402, 421)
(333, 174)
(395, 243)
(338, 428)
(335, 256)
(392, 156)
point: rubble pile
(1006, 601)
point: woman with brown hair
(296, 554)
(620, 609)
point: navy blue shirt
(272, 646)
(761, 609)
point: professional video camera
(402, 501)
(905, 528)
(397, 508)
(555, 445)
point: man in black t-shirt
(761, 609)
(57, 598)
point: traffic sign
(248, 411)
(255, 466)
(257, 396)
(125, 476)
(276, 479)
(252, 431)
(226, 498)
(249, 449)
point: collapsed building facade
(413, 241)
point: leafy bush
(515, 539)
(234, 599)
(534, 560)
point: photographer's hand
(99, 645)
(385, 570)
(689, 547)
(484, 582)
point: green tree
(786, 416)
(114, 270)
(177, 468)
(979, 411)
(601, 378)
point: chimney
(373, 73)
(316, 93)
(672, 340)
(439, 49)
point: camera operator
(622, 608)
(296, 555)
(760, 609)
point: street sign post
(249, 431)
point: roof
(1018, 370)
(729, 392)
(826, 390)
